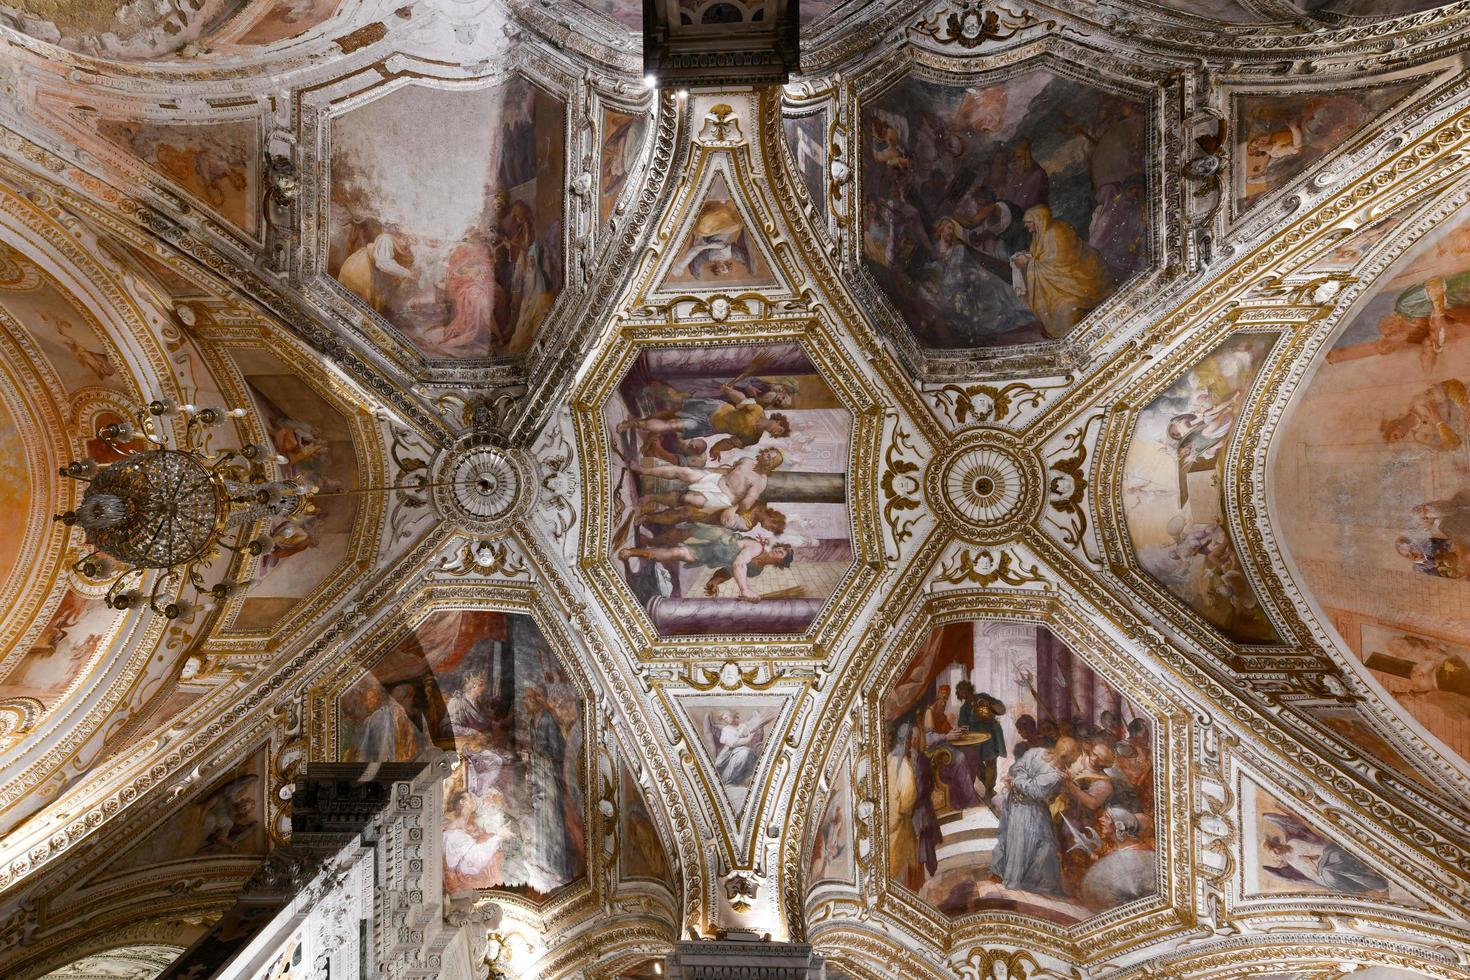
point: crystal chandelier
(169, 511)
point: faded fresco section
(218, 164)
(486, 686)
(622, 145)
(1003, 213)
(1369, 482)
(1281, 137)
(446, 213)
(315, 439)
(1173, 491)
(731, 479)
(1017, 778)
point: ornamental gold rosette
(987, 488)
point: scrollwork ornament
(972, 25)
(901, 488)
(985, 403)
(985, 568)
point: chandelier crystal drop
(168, 511)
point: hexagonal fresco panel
(487, 686)
(1002, 214)
(732, 514)
(446, 213)
(1017, 778)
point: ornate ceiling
(989, 507)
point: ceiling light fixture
(168, 510)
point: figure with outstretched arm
(723, 550)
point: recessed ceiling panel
(1369, 476)
(1002, 213)
(731, 468)
(446, 214)
(1018, 779)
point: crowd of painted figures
(1074, 799)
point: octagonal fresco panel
(1369, 482)
(1017, 779)
(1173, 492)
(485, 685)
(731, 475)
(446, 213)
(1002, 213)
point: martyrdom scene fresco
(1280, 137)
(316, 440)
(1003, 214)
(459, 247)
(622, 145)
(1017, 778)
(1289, 856)
(217, 164)
(731, 468)
(1172, 492)
(487, 686)
(1370, 481)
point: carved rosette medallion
(482, 489)
(986, 488)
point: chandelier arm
(421, 485)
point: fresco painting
(718, 249)
(1225, 11)
(730, 466)
(64, 648)
(128, 30)
(217, 163)
(227, 820)
(1428, 675)
(1017, 778)
(1368, 8)
(1172, 491)
(65, 335)
(622, 145)
(461, 249)
(640, 851)
(629, 13)
(487, 686)
(1004, 213)
(832, 856)
(15, 491)
(316, 440)
(734, 734)
(1369, 481)
(287, 19)
(1286, 855)
(1280, 137)
(807, 137)
(815, 10)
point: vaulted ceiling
(1105, 359)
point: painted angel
(737, 745)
